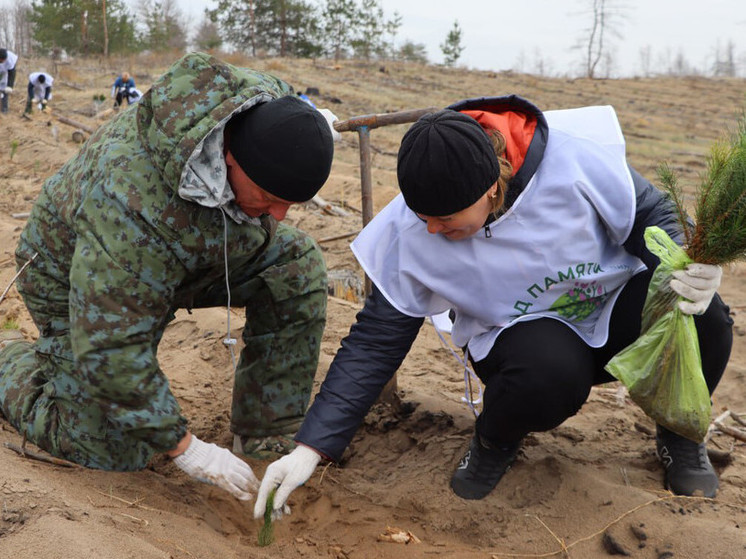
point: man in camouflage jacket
(157, 212)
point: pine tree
(163, 25)
(339, 21)
(76, 26)
(269, 27)
(207, 36)
(452, 47)
(369, 41)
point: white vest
(555, 253)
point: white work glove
(289, 472)
(209, 463)
(330, 119)
(697, 283)
(8, 90)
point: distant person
(8, 61)
(305, 98)
(528, 226)
(39, 91)
(121, 89)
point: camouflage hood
(182, 117)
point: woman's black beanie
(446, 163)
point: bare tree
(15, 29)
(606, 21)
(725, 60)
(646, 60)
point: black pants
(121, 96)
(540, 372)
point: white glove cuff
(307, 455)
(196, 453)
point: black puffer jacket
(382, 336)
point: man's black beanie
(446, 163)
(284, 146)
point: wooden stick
(125, 501)
(17, 276)
(337, 237)
(381, 119)
(76, 124)
(737, 418)
(732, 431)
(21, 215)
(41, 457)
(327, 207)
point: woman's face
(465, 223)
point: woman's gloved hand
(289, 473)
(697, 283)
(209, 463)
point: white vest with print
(555, 253)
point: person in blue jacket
(537, 222)
(121, 89)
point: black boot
(482, 467)
(688, 469)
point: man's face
(250, 197)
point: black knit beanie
(284, 146)
(446, 163)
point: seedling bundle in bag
(662, 369)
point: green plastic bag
(662, 369)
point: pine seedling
(267, 531)
(13, 148)
(719, 234)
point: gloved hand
(330, 118)
(289, 472)
(697, 283)
(8, 90)
(210, 463)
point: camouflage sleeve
(122, 281)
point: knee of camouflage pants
(45, 404)
(285, 317)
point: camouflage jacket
(130, 226)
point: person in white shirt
(8, 60)
(528, 227)
(39, 91)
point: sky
(539, 36)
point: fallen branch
(737, 418)
(17, 276)
(732, 431)
(72, 85)
(76, 124)
(719, 419)
(337, 237)
(135, 503)
(327, 207)
(41, 457)
(20, 215)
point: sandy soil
(576, 491)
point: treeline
(293, 28)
